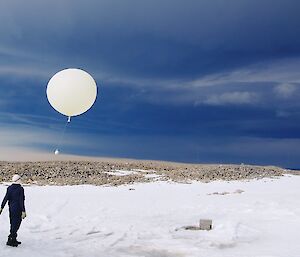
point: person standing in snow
(16, 198)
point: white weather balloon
(72, 92)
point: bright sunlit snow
(259, 218)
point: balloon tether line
(62, 135)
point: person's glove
(0, 211)
(23, 214)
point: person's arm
(22, 200)
(5, 199)
(22, 203)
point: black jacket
(15, 197)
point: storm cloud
(191, 73)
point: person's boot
(12, 242)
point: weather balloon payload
(71, 92)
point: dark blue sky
(193, 81)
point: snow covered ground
(262, 221)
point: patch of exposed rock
(108, 172)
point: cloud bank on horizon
(195, 81)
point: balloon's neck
(69, 119)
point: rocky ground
(118, 172)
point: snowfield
(257, 218)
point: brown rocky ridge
(119, 172)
